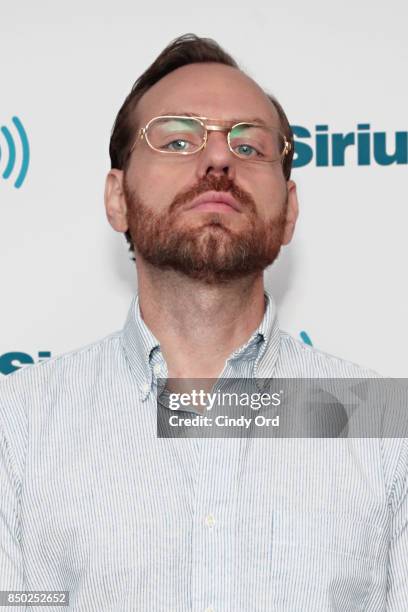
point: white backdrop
(66, 278)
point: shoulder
(304, 360)
(31, 392)
(73, 367)
(36, 394)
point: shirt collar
(269, 351)
(139, 343)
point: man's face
(212, 243)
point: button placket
(215, 492)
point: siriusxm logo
(10, 362)
(363, 147)
(8, 152)
(304, 336)
(333, 149)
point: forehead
(211, 90)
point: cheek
(152, 186)
(269, 198)
(272, 195)
(160, 183)
(267, 185)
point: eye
(246, 150)
(178, 145)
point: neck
(198, 325)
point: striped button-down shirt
(94, 503)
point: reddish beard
(211, 252)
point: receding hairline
(218, 66)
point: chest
(116, 498)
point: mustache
(214, 183)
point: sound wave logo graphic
(8, 151)
(306, 338)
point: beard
(210, 252)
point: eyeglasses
(179, 135)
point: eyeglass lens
(182, 135)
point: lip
(215, 201)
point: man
(93, 501)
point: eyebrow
(232, 121)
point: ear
(115, 202)
(292, 212)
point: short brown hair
(184, 50)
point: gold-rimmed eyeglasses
(184, 135)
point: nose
(216, 157)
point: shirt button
(210, 609)
(145, 388)
(210, 522)
(157, 369)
